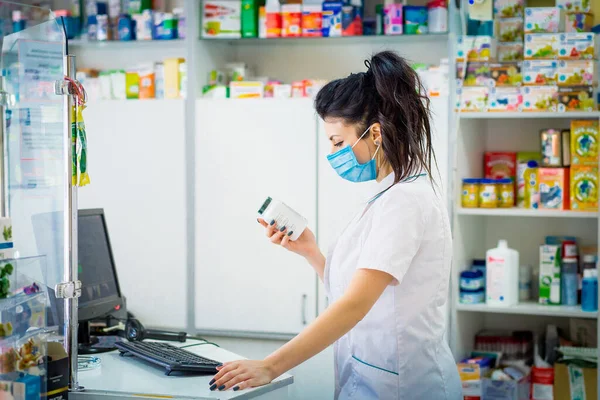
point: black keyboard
(172, 358)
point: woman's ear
(376, 134)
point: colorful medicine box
(505, 99)
(509, 30)
(584, 142)
(540, 72)
(478, 74)
(542, 46)
(500, 164)
(249, 18)
(550, 262)
(222, 19)
(173, 77)
(291, 20)
(246, 90)
(584, 188)
(472, 98)
(574, 5)
(393, 21)
(554, 188)
(509, 52)
(332, 18)
(312, 20)
(579, 22)
(540, 98)
(577, 98)
(415, 20)
(508, 8)
(544, 20)
(576, 72)
(575, 46)
(132, 85)
(505, 74)
(475, 48)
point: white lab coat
(398, 350)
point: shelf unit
(529, 115)
(521, 212)
(529, 308)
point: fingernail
(235, 389)
(272, 222)
(258, 220)
(213, 387)
(219, 366)
(222, 387)
(290, 234)
(211, 382)
(282, 229)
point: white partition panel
(247, 150)
(136, 165)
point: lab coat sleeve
(395, 235)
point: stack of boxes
(546, 61)
(6, 239)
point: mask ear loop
(361, 136)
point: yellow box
(584, 142)
(584, 188)
(173, 77)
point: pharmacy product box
(58, 372)
(574, 5)
(553, 184)
(291, 20)
(569, 378)
(415, 20)
(584, 188)
(540, 98)
(544, 46)
(332, 18)
(222, 19)
(246, 90)
(544, 20)
(393, 20)
(172, 77)
(576, 46)
(283, 91)
(508, 52)
(579, 22)
(508, 8)
(585, 139)
(312, 20)
(6, 240)
(475, 48)
(118, 84)
(472, 98)
(542, 381)
(478, 74)
(164, 26)
(348, 25)
(550, 262)
(146, 82)
(500, 164)
(504, 99)
(505, 74)
(506, 390)
(249, 18)
(143, 25)
(577, 98)
(132, 85)
(540, 72)
(532, 196)
(509, 30)
(576, 72)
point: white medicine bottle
(274, 210)
(502, 275)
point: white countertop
(129, 377)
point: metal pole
(70, 237)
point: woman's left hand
(243, 374)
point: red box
(542, 383)
(500, 165)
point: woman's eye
(339, 144)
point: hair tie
(368, 65)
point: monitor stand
(89, 344)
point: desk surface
(127, 377)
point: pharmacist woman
(387, 275)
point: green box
(132, 85)
(550, 261)
(249, 18)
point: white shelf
(530, 308)
(522, 212)
(375, 39)
(529, 115)
(124, 44)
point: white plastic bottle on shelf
(502, 276)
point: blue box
(332, 18)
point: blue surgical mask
(346, 165)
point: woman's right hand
(305, 245)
